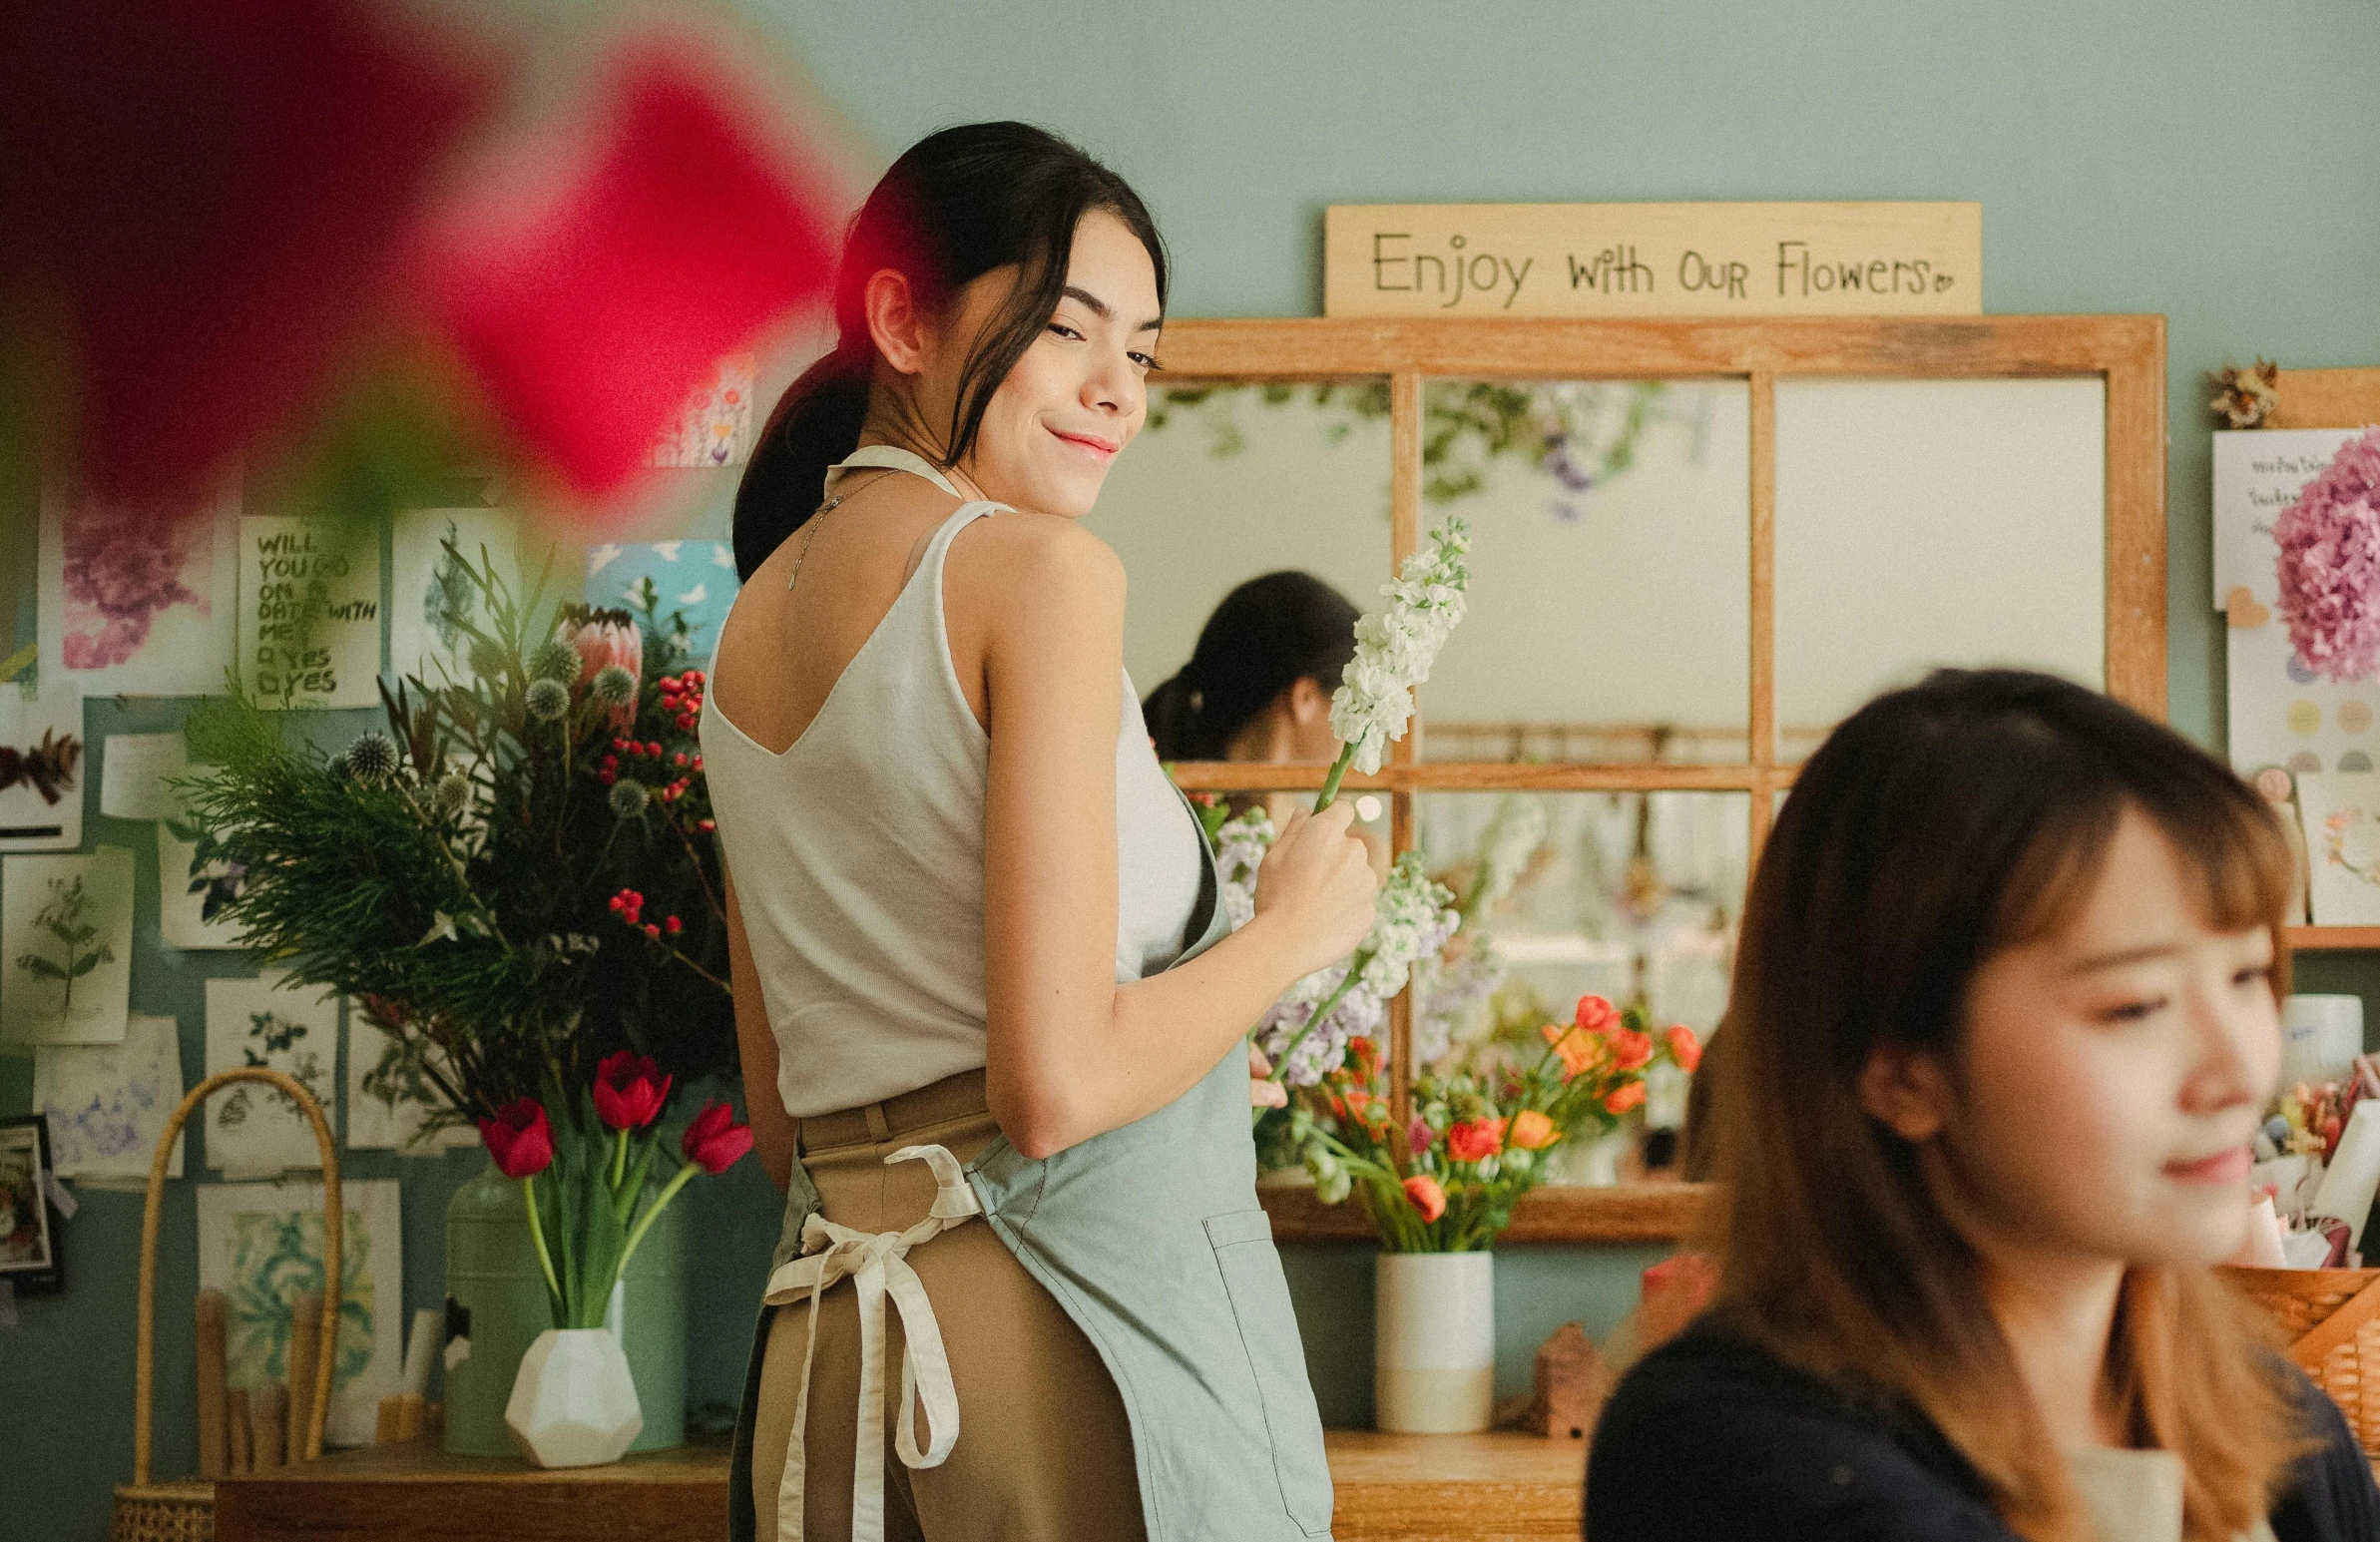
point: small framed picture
(29, 1224)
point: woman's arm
(756, 1044)
(1072, 1053)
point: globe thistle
(372, 757)
(627, 798)
(555, 660)
(548, 699)
(614, 686)
(488, 660)
(452, 794)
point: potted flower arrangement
(1440, 1189)
(515, 883)
(574, 1403)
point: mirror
(1611, 569)
(1930, 522)
(1229, 481)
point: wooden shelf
(1558, 1213)
(1390, 1488)
(2332, 939)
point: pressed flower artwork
(65, 947)
(261, 1245)
(135, 600)
(2341, 811)
(252, 1127)
(107, 1103)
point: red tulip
(518, 1138)
(1684, 1048)
(630, 1090)
(1624, 1098)
(714, 1139)
(1426, 1195)
(1630, 1050)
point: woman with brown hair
(2005, 1015)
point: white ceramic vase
(573, 1404)
(1434, 1341)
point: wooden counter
(1391, 1488)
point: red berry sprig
(628, 905)
(681, 698)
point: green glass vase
(496, 1294)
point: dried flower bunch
(2244, 398)
(2329, 564)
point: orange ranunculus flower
(1532, 1131)
(1426, 1195)
(1595, 1015)
(1630, 1050)
(1578, 1050)
(1468, 1140)
(1684, 1048)
(1624, 1098)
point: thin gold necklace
(819, 518)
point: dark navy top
(1714, 1437)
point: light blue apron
(1151, 1238)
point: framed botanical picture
(29, 1225)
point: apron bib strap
(877, 1265)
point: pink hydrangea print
(2329, 566)
(121, 571)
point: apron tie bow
(877, 1264)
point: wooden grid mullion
(1763, 607)
(1404, 538)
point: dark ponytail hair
(1268, 634)
(957, 205)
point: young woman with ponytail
(990, 1016)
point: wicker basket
(2331, 1318)
(184, 1510)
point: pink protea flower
(602, 637)
(2329, 564)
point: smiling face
(2108, 1076)
(1078, 395)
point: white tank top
(858, 853)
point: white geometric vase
(574, 1404)
(1434, 1341)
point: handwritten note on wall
(310, 612)
(1652, 260)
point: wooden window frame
(2127, 352)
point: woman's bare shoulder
(1022, 560)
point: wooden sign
(1652, 260)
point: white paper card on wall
(2341, 813)
(107, 1103)
(714, 426)
(262, 1245)
(2257, 473)
(250, 1127)
(430, 594)
(310, 612)
(1652, 260)
(137, 601)
(66, 927)
(135, 772)
(193, 897)
(377, 1124)
(42, 790)
(2281, 711)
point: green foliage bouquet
(515, 879)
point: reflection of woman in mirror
(1258, 687)
(982, 989)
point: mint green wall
(2212, 162)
